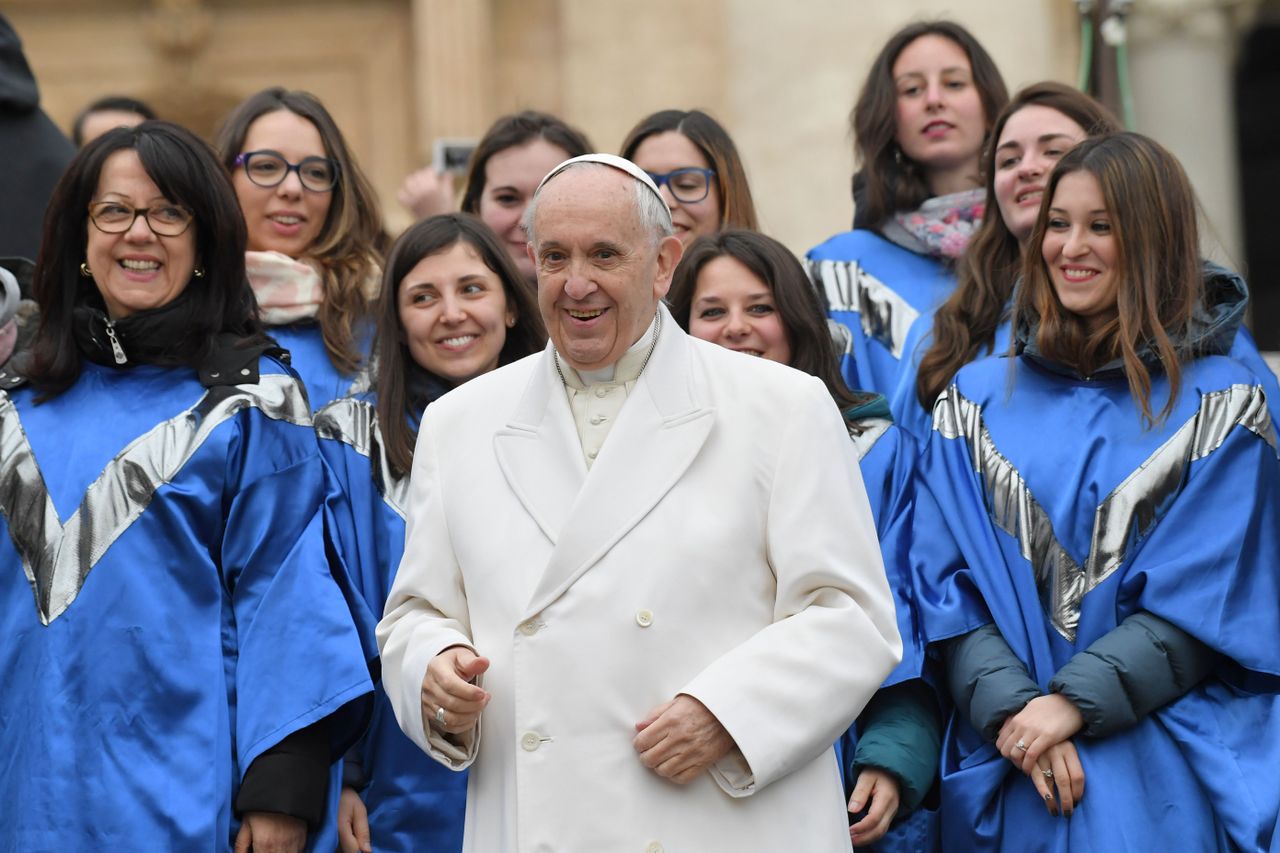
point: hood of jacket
(18, 92)
(1212, 329)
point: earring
(897, 155)
(85, 271)
(511, 322)
(198, 272)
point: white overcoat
(721, 546)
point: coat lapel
(539, 452)
(659, 431)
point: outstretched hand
(681, 739)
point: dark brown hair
(397, 408)
(349, 244)
(512, 131)
(803, 317)
(737, 210)
(1152, 211)
(894, 182)
(186, 170)
(965, 325)
(110, 103)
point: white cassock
(721, 545)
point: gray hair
(651, 210)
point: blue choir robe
(168, 613)
(887, 458)
(903, 402)
(1229, 296)
(875, 290)
(1053, 513)
(310, 360)
(414, 802)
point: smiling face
(732, 307)
(285, 218)
(940, 123)
(665, 152)
(600, 275)
(454, 314)
(511, 176)
(1080, 249)
(136, 270)
(1031, 142)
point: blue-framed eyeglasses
(689, 185)
(269, 169)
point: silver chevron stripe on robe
(872, 430)
(58, 557)
(885, 316)
(355, 424)
(1125, 517)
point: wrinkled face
(1080, 250)
(732, 307)
(940, 123)
(600, 276)
(663, 153)
(1032, 141)
(137, 270)
(454, 314)
(511, 176)
(285, 218)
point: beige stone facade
(399, 73)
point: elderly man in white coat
(641, 594)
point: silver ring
(440, 715)
(1048, 774)
(1020, 745)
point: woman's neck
(954, 180)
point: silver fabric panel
(872, 430)
(1125, 517)
(1133, 507)
(355, 424)
(58, 557)
(885, 316)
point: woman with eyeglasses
(696, 166)
(315, 234)
(748, 293)
(453, 307)
(180, 667)
(919, 127)
(1103, 515)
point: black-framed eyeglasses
(116, 217)
(689, 185)
(269, 169)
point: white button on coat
(644, 618)
(529, 627)
(654, 847)
(530, 741)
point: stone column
(1182, 57)
(453, 69)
